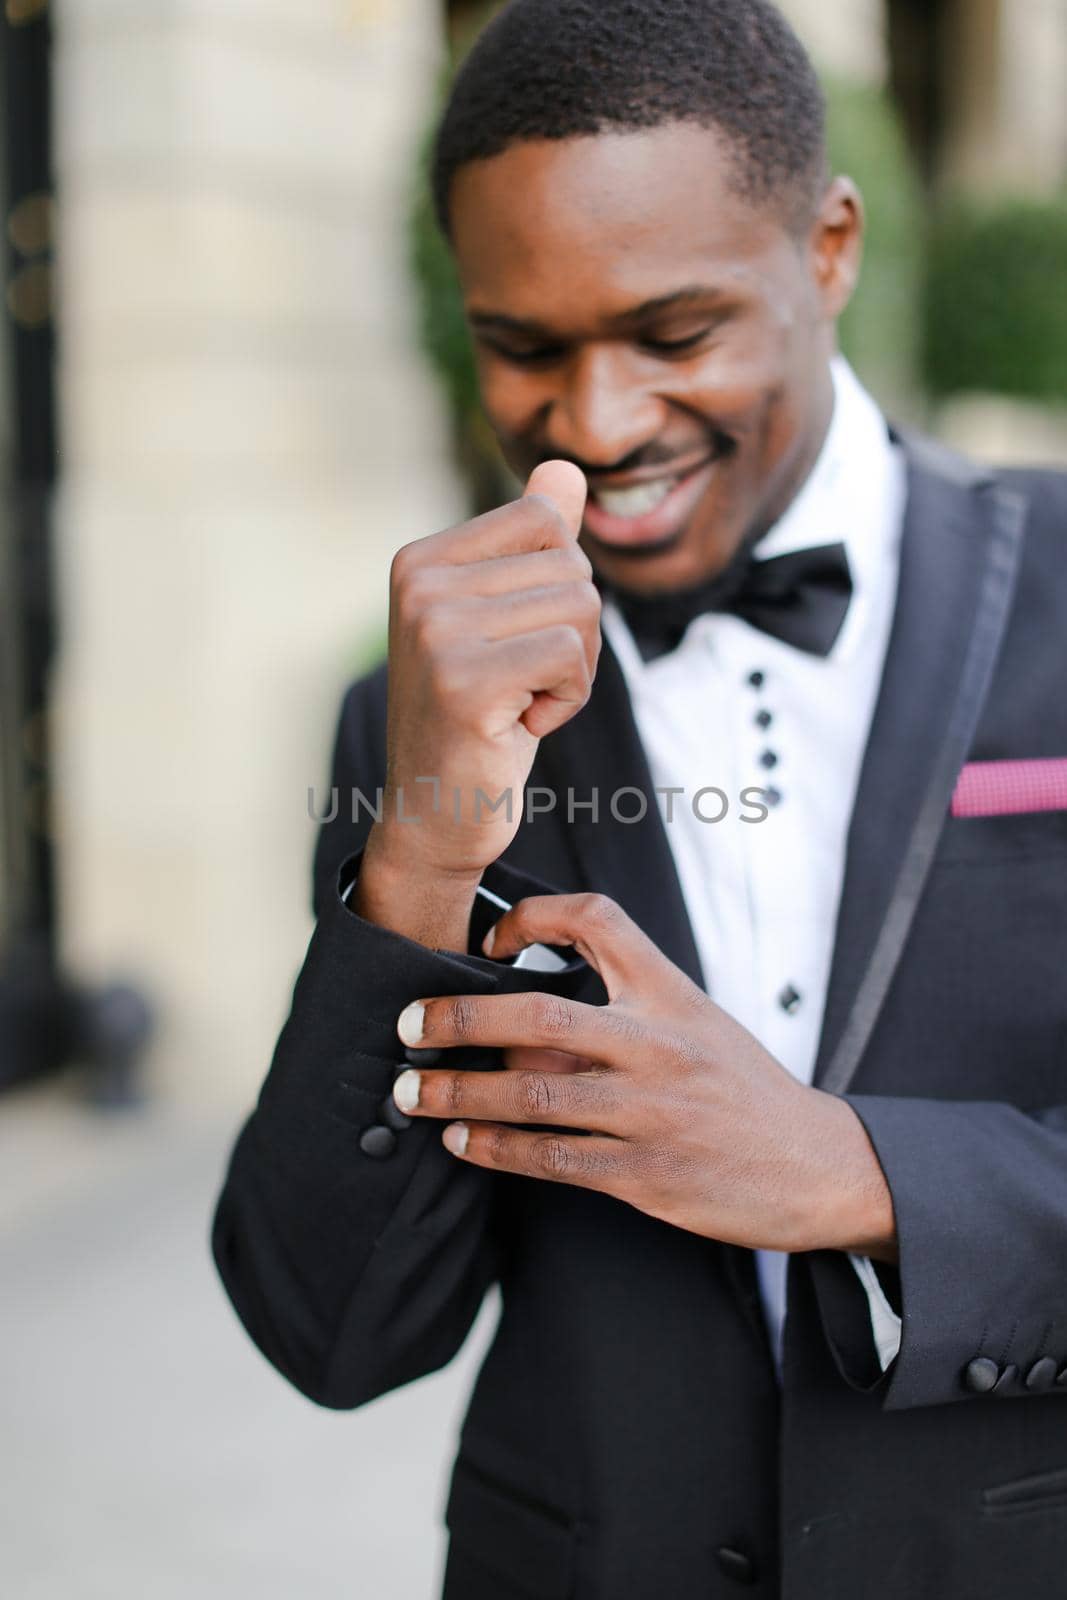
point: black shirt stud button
(392, 1115)
(790, 999)
(768, 759)
(763, 719)
(377, 1142)
(772, 796)
(1042, 1375)
(981, 1375)
(736, 1565)
(756, 679)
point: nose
(602, 413)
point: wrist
(425, 902)
(851, 1203)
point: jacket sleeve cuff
(359, 976)
(329, 1193)
(979, 1195)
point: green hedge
(441, 323)
(881, 329)
(996, 303)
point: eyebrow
(677, 299)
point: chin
(651, 569)
(680, 561)
(603, 554)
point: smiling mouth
(637, 501)
(646, 515)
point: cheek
(512, 400)
(743, 379)
(774, 438)
(768, 429)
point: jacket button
(377, 1142)
(1007, 1378)
(392, 1115)
(1042, 1375)
(1061, 1381)
(981, 1375)
(420, 1058)
(736, 1565)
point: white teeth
(636, 502)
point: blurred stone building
(248, 436)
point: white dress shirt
(734, 708)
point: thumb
(564, 484)
(598, 928)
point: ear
(837, 246)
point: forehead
(610, 220)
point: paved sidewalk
(148, 1452)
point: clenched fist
(494, 637)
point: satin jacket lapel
(599, 751)
(959, 559)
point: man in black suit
(767, 1150)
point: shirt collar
(851, 497)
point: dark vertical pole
(44, 1021)
(34, 1011)
(916, 33)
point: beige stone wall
(1006, 117)
(248, 435)
(1007, 122)
(846, 37)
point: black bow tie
(801, 598)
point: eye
(673, 347)
(522, 355)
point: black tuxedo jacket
(628, 1439)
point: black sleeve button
(736, 1564)
(1007, 1380)
(981, 1375)
(422, 1058)
(1042, 1375)
(1061, 1381)
(377, 1142)
(392, 1116)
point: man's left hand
(659, 1097)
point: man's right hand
(494, 636)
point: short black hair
(561, 69)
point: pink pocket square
(1009, 788)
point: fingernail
(490, 940)
(455, 1138)
(406, 1090)
(409, 1022)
